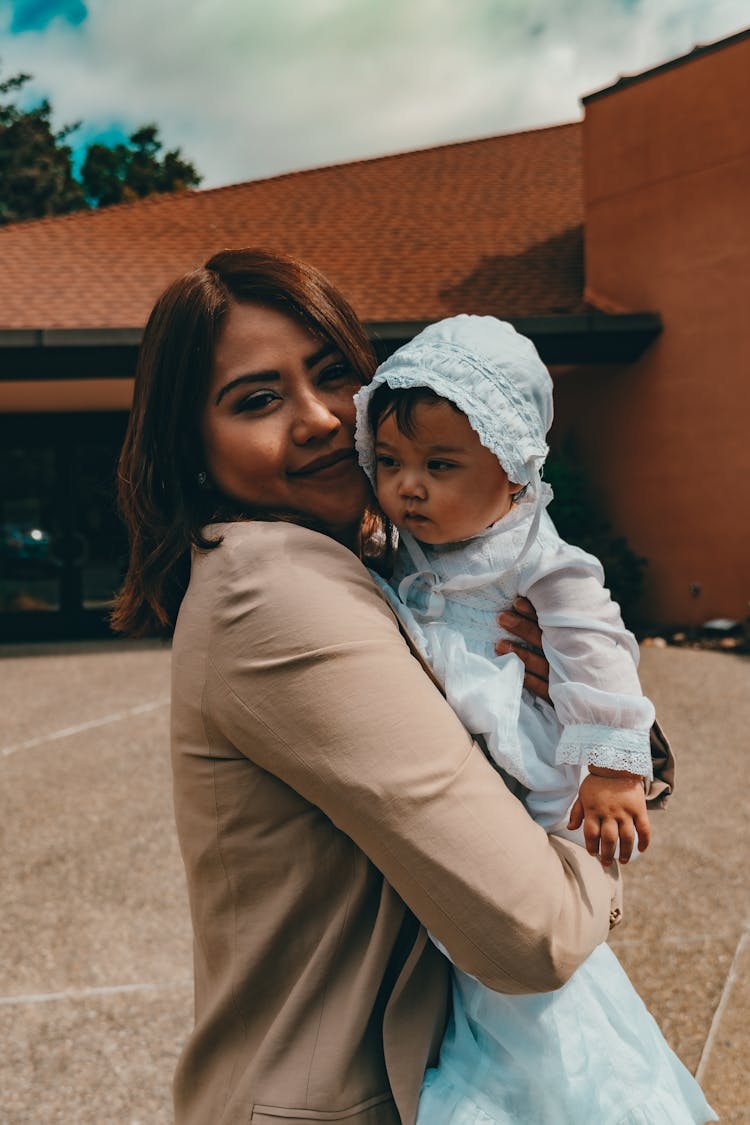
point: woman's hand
(521, 620)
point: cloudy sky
(251, 88)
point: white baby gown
(589, 1053)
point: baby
(452, 431)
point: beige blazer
(326, 798)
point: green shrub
(579, 516)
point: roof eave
(96, 353)
(69, 337)
(561, 339)
(68, 353)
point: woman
(328, 802)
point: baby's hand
(611, 805)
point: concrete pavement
(95, 988)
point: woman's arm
(310, 678)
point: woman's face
(278, 423)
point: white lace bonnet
(491, 373)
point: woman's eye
(254, 402)
(337, 372)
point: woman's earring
(202, 478)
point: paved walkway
(95, 989)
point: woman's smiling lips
(332, 464)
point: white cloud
(249, 88)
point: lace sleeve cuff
(612, 748)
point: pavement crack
(729, 983)
(66, 732)
(88, 993)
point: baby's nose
(411, 485)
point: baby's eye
(255, 402)
(437, 466)
(386, 462)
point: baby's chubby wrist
(602, 771)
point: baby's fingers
(576, 814)
(643, 828)
(610, 834)
(627, 840)
(592, 829)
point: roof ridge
(161, 198)
(400, 155)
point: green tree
(36, 164)
(124, 172)
(36, 171)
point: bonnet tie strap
(424, 574)
(416, 554)
(539, 505)
(435, 608)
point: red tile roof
(492, 225)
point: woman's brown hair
(162, 502)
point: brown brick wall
(667, 221)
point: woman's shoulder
(281, 571)
(276, 545)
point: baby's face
(442, 484)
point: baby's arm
(594, 686)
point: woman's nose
(313, 420)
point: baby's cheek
(384, 492)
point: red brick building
(620, 244)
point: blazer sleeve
(309, 677)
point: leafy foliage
(36, 164)
(36, 176)
(131, 171)
(578, 516)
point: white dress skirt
(588, 1054)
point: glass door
(30, 529)
(62, 547)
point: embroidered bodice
(452, 594)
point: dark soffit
(110, 353)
